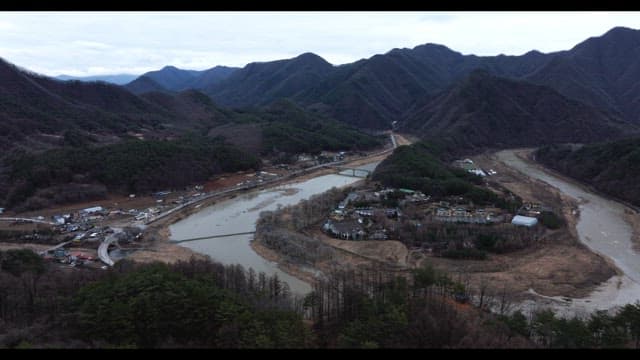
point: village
(76, 235)
(369, 213)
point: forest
(288, 128)
(203, 304)
(280, 230)
(84, 172)
(421, 166)
(610, 167)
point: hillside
(144, 84)
(420, 166)
(601, 71)
(35, 110)
(485, 111)
(133, 166)
(611, 167)
(68, 124)
(262, 83)
(286, 128)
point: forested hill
(36, 112)
(284, 127)
(483, 111)
(612, 167)
(81, 173)
(422, 166)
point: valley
(418, 197)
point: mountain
(144, 84)
(211, 77)
(601, 71)
(202, 113)
(370, 93)
(171, 78)
(35, 111)
(119, 79)
(610, 167)
(486, 111)
(261, 83)
(373, 93)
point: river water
(239, 215)
(601, 227)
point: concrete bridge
(353, 172)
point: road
(103, 249)
(26, 219)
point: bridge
(212, 237)
(353, 172)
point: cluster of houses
(445, 212)
(72, 258)
(350, 221)
(355, 217)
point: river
(239, 215)
(602, 228)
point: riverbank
(158, 233)
(543, 267)
(604, 228)
(631, 212)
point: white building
(524, 220)
(92, 210)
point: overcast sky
(96, 43)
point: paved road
(58, 246)
(26, 219)
(103, 250)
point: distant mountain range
(119, 79)
(372, 93)
(588, 93)
(172, 79)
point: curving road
(103, 249)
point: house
(368, 212)
(346, 230)
(92, 210)
(443, 212)
(378, 235)
(392, 213)
(478, 172)
(520, 220)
